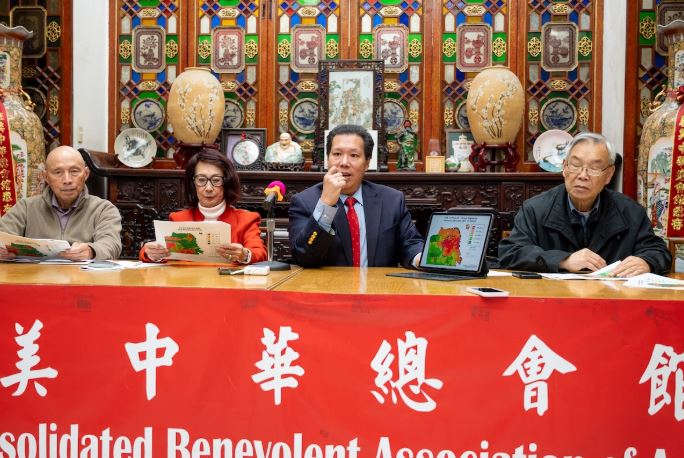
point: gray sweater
(94, 221)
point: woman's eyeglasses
(201, 180)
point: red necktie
(354, 231)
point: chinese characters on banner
(393, 374)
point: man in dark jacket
(581, 226)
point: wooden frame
(339, 81)
(244, 147)
(451, 135)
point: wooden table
(349, 280)
(340, 280)
(174, 276)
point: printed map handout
(25, 248)
(193, 240)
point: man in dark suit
(347, 221)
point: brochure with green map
(193, 240)
(25, 248)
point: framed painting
(474, 47)
(244, 147)
(559, 46)
(307, 48)
(459, 143)
(454, 140)
(350, 92)
(149, 43)
(391, 46)
(227, 49)
(33, 19)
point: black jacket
(543, 235)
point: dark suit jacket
(391, 236)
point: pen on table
(666, 285)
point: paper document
(35, 250)
(654, 281)
(193, 240)
(601, 274)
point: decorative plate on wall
(135, 147)
(462, 116)
(148, 114)
(550, 149)
(559, 114)
(303, 115)
(233, 116)
(394, 115)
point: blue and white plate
(394, 115)
(148, 114)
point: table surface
(172, 275)
(342, 280)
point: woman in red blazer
(212, 186)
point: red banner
(8, 193)
(180, 372)
(675, 208)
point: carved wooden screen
(149, 36)
(645, 76)
(307, 31)
(474, 36)
(227, 41)
(394, 31)
(46, 72)
(562, 69)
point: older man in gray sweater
(65, 211)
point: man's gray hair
(594, 138)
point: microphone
(274, 191)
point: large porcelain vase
(495, 106)
(196, 106)
(26, 156)
(654, 164)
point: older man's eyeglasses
(591, 171)
(201, 180)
